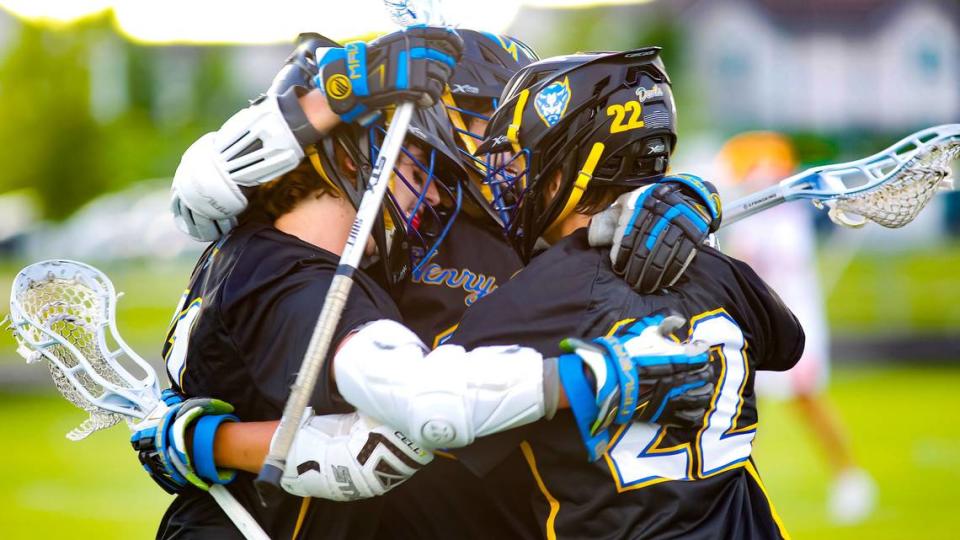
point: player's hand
(627, 377)
(658, 230)
(345, 457)
(411, 65)
(175, 445)
(204, 199)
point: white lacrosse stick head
(892, 187)
(64, 312)
(410, 12)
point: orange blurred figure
(780, 245)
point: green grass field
(900, 419)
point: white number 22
(636, 459)
(179, 338)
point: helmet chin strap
(579, 187)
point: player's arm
(442, 399)
(448, 397)
(267, 139)
(656, 231)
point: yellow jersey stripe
(304, 506)
(553, 502)
(776, 517)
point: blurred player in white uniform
(780, 245)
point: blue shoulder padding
(203, 436)
(583, 404)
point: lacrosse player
(255, 294)
(780, 245)
(573, 134)
(253, 300)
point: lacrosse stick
(888, 188)
(404, 13)
(64, 312)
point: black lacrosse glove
(175, 445)
(411, 65)
(300, 67)
(666, 225)
(639, 374)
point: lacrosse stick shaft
(245, 523)
(826, 183)
(268, 482)
(752, 204)
(86, 294)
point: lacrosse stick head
(406, 13)
(892, 187)
(64, 312)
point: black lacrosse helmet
(600, 118)
(404, 239)
(486, 65)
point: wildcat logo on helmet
(551, 102)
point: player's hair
(280, 196)
(596, 199)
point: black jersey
(653, 482)
(246, 321)
(472, 261)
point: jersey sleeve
(273, 329)
(781, 334)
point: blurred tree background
(85, 111)
(94, 117)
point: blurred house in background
(843, 78)
(827, 65)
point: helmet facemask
(487, 64)
(423, 196)
(605, 121)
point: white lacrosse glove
(204, 199)
(256, 145)
(345, 457)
